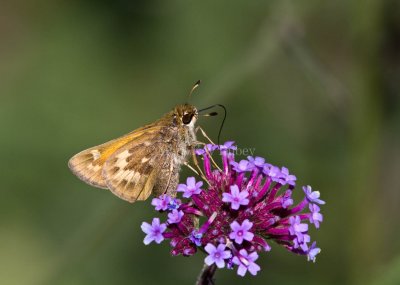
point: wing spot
(123, 182)
(115, 169)
(131, 186)
(95, 153)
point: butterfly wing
(88, 164)
(134, 171)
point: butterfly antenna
(214, 114)
(197, 84)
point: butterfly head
(185, 115)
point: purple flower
(241, 232)
(302, 243)
(272, 171)
(229, 145)
(161, 203)
(154, 232)
(236, 197)
(209, 147)
(287, 199)
(199, 151)
(242, 166)
(312, 197)
(195, 237)
(216, 255)
(243, 206)
(190, 188)
(175, 217)
(286, 178)
(312, 252)
(174, 203)
(256, 161)
(297, 228)
(245, 262)
(315, 216)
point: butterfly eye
(187, 118)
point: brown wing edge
(78, 165)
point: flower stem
(206, 275)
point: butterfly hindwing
(132, 171)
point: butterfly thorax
(182, 120)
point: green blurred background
(312, 85)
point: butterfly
(143, 162)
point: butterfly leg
(196, 164)
(191, 168)
(204, 134)
(167, 190)
(209, 155)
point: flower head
(245, 205)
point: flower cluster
(245, 205)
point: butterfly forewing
(88, 164)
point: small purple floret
(315, 216)
(229, 145)
(297, 228)
(242, 166)
(256, 161)
(161, 203)
(312, 196)
(246, 262)
(272, 171)
(174, 204)
(195, 237)
(154, 231)
(236, 197)
(287, 200)
(216, 255)
(241, 232)
(175, 217)
(190, 188)
(312, 252)
(286, 178)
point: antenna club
(194, 88)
